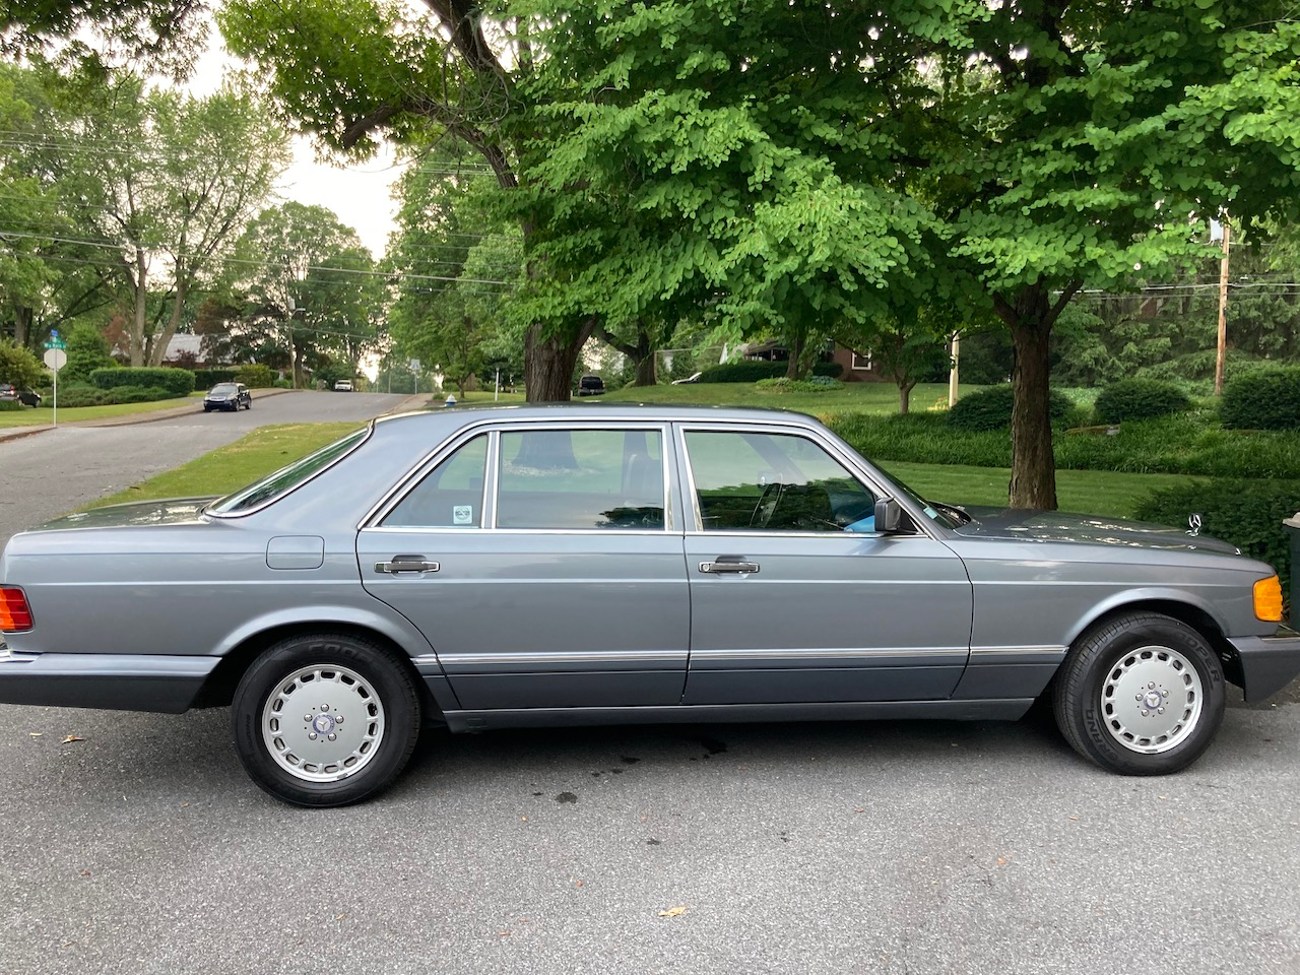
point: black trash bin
(1293, 523)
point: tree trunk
(549, 364)
(647, 373)
(140, 280)
(22, 326)
(905, 396)
(169, 330)
(794, 365)
(1033, 468)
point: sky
(360, 194)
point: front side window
(581, 479)
(450, 495)
(753, 481)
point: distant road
(48, 473)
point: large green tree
(806, 161)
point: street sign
(56, 358)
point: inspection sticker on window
(462, 514)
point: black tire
(358, 679)
(1174, 714)
(207, 409)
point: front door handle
(407, 563)
(729, 563)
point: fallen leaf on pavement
(1002, 861)
(71, 738)
(673, 911)
(35, 734)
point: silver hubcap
(1152, 700)
(323, 723)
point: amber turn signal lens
(1268, 600)
(15, 614)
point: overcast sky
(359, 194)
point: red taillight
(15, 614)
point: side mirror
(889, 516)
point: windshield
(224, 388)
(286, 478)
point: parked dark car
(28, 397)
(591, 386)
(584, 565)
(228, 396)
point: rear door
(795, 597)
(543, 564)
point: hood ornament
(1194, 525)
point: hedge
(207, 378)
(1139, 399)
(178, 382)
(752, 370)
(71, 396)
(1248, 514)
(1268, 399)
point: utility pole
(1223, 313)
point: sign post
(56, 358)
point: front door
(541, 565)
(794, 595)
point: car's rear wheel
(326, 719)
(1140, 694)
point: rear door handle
(407, 563)
(729, 563)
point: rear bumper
(1268, 663)
(136, 682)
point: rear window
(286, 478)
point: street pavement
(135, 844)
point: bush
(990, 409)
(283, 384)
(9, 404)
(1139, 399)
(1265, 400)
(207, 378)
(818, 384)
(752, 370)
(1248, 514)
(78, 395)
(19, 367)
(178, 382)
(255, 376)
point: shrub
(78, 395)
(207, 378)
(9, 404)
(1139, 399)
(990, 409)
(1248, 514)
(752, 370)
(283, 384)
(178, 382)
(255, 376)
(818, 384)
(19, 367)
(1268, 399)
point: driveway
(134, 843)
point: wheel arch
(1198, 617)
(219, 688)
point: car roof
(634, 412)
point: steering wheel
(766, 506)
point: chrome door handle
(406, 563)
(723, 564)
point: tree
(295, 276)
(162, 31)
(807, 160)
(450, 75)
(19, 367)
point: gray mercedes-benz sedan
(502, 568)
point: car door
(794, 596)
(543, 565)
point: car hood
(171, 511)
(1058, 526)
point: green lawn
(228, 468)
(851, 398)
(43, 415)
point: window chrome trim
(850, 463)
(495, 427)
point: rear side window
(576, 479)
(449, 496)
(286, 478)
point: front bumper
(1268, 663)
(119, 682)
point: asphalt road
(134, 843)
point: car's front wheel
(326, 720)
(1140, 694)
